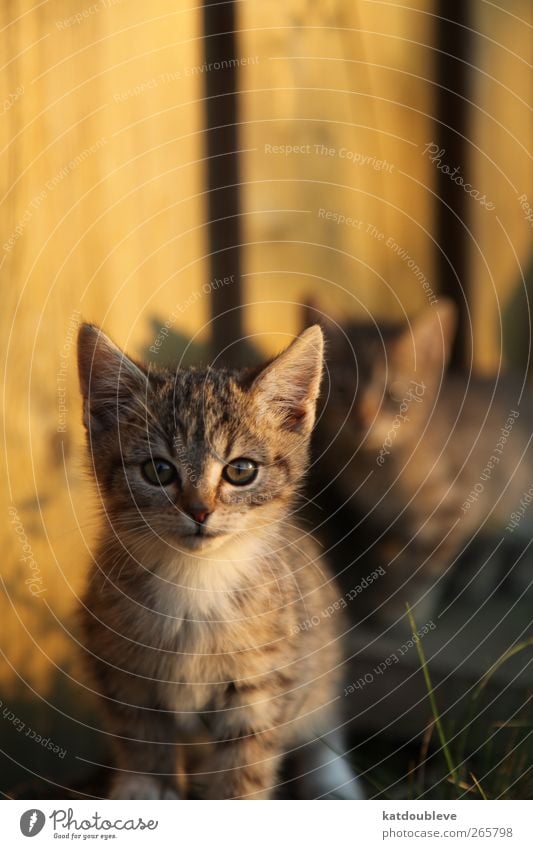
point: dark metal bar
(453, 44)
(222, 140)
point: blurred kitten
(195, 616)
(417, 460)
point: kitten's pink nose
(199, 514)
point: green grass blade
(429, 686)
(479, 787)
(501, 660)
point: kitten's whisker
(290, 574)
(309, 500)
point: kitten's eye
(159, 472)
(240, 471)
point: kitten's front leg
(146, 754)
(248, 726)
(246, 766)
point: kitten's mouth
(201, 535)
(203, 532)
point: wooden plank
(223, 178)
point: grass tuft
(431, 695)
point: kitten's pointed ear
(108, 378)
(288, 387)
(429, 336)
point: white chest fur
(195, 600)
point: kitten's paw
(141, 787)
(321, 773)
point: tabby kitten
(196, 615)
(416, 459)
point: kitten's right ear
(427, 342)
(287, 388)
(108, 378)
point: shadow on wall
(170, 347)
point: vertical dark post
(222, 116)
(453, 78)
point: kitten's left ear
(108, 378)
(288, 387)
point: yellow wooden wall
(346, 82)
(101, 169)
(103, 217)
(502, 134)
